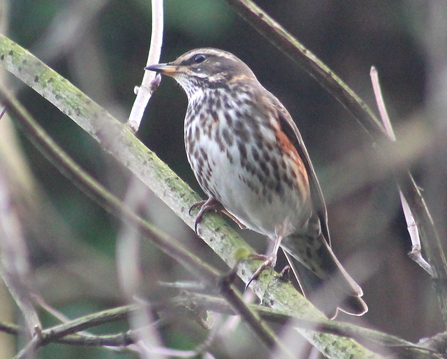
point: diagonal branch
(173, 248)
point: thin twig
(437, 342)
(10, 328)
(150, 79)
(227, 290)
(372, 339)
(58, 315)
(415, 253)
(14, 265)
(128, 262)
(381, 104)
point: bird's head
(206, 68)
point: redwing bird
(249, 158)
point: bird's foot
(284, 275)
(211, 204)
(269, 261)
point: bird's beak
(164, 69)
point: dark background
(105, 57)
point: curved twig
(415, 253)
(150, 80)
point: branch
(14, 265)
(128, 263)
(374, 340)
(128, 259)
(112, 204)
(371, 339)
(150, 80)
(415, 253)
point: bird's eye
(199, 58)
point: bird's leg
(211, 204)
(269, 261)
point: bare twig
(381, 104)
(14, 266)
(128, 241)
(434, 39)
(64, 319)
(10, 328)
(129, 269)
(2, 112)
(150, 79)
(415, 253)
(438, 343)
(375, 340)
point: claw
(269, 261)
(195, 205)
(211, 204)
(285, 273)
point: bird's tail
(322, 278)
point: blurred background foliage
(101, 46)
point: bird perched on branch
(249, 158)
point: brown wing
(291, 130)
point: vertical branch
(150, 80)
(10, 160)
(128, 260)
(14, 265)
(146, 337)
